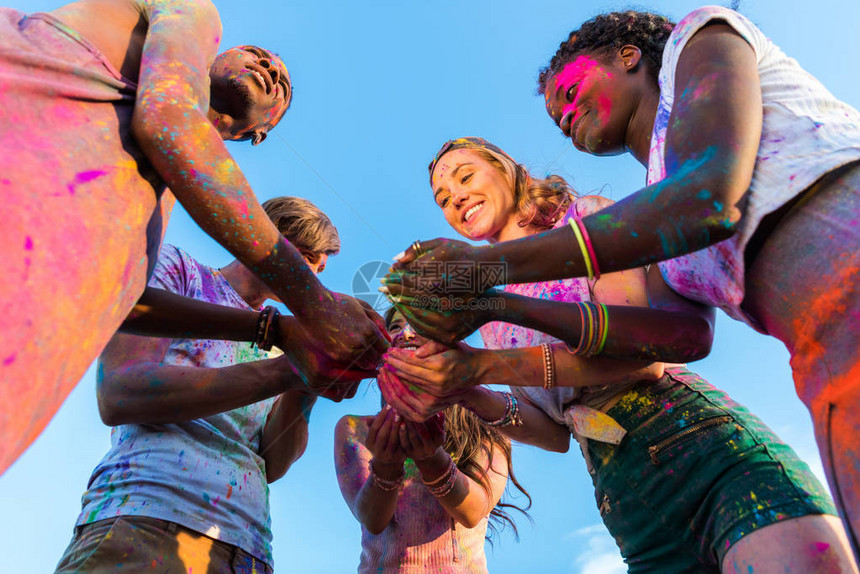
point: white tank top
(806, 133)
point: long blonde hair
(468, 440)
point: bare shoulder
(498, 461)
(589, 204)
(117, 29)
(351, 427)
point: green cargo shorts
(695, 473)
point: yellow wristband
(581, 240)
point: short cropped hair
(303, 224)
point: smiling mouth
(472, 211)
(260, 80)
(574, 130)
(408, 347)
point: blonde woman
(686, 479)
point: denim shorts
(695, 473)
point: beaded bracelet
(263, 336)
(444, 486)
(385, 484)
(548, 366)
(442, 477)
(511, 416)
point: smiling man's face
(250, 91)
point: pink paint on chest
(84, 177)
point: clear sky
(378, 87)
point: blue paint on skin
(306, 403)
(664, 242)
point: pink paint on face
(568, 84)
(583, 100)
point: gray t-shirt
(204, 474)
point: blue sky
(378, 87)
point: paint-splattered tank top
(557, 402)
(806, 133)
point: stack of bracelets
(268, 318)
(443, 485)
(586, 247)
(385, 484)
(511, 416)
(595, 327)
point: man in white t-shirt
(201, 426)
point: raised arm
(134, 385)
(463, 498)
(171, 126)
(161, 313)
(683, 330)
(647, 321)
(711, 147)
(358, 443)
(537, 429)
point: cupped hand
(346, 330)
(412, 403)
(383, 437)
(443, 372)
(446, 319)
(321, 375)
(421, 440)
(440, 249)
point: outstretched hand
(441, 289)
(440, 249)
(323, 376)
(346, 330)
(441, 371)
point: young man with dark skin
(128, 84)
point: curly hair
(539, 201)
(607, 32)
